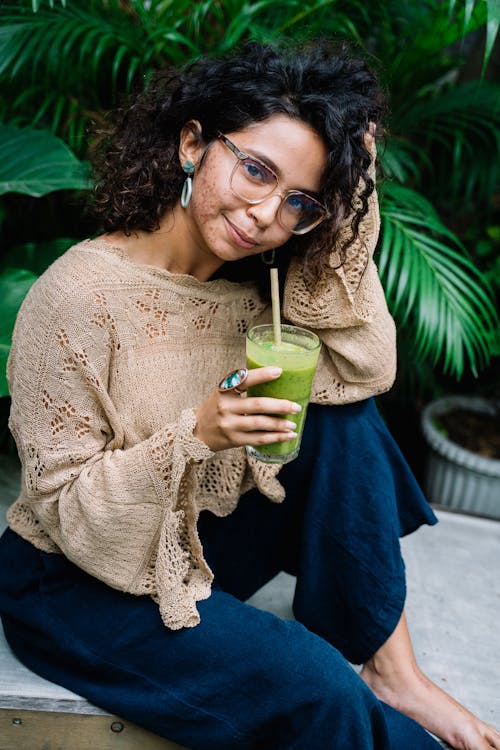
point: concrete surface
(453, 607)
(453, 603)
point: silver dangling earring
(187, 188)
(268, 261)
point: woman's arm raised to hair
(349, 312)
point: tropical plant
(62, 66)
(32, 162)
(35, 162)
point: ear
(191, 143)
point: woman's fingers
(264, 405)
(259, 414)
(266, 438)
(261, 423)
(260, 404)
(238, 422)
(260, 375)
(230, 418)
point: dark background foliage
(64, 64)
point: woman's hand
(228, 420)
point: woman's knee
(322, 693)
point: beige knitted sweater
(110, 358)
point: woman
(142, 526)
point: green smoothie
(297, 355)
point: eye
(298, 203)
(257, 172)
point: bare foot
(407, 689)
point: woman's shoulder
(86, 268)
(65, 288)
(85, 264)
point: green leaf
(451, 107)
(35, 162)
(397, 159)
(14, 285)
(37, 256)
(492, 28)
(35, 4)
(494, 233)
(432, 286)
(4, 355)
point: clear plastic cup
(298, 356)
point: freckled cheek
(209, 202)
(203, 208)
(206, 215)
(209, 197)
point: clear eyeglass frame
(242, 156)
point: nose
(265, 213)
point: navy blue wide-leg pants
(244, 678)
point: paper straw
(275, 299)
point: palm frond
(492, 28)
(401, 159)
(432, 286)
(46, 43)
(325, 12)
(459, 130)
(442, 25)
(35, 4)
(466, 105)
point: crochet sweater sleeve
(349, 312)
(116, 511)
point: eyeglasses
(253, 181)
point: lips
(239, 236)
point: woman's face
(223, 224)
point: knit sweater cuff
(194, 449)
(174, 447)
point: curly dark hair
(137, 172)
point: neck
(172, 247)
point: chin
(233, 254)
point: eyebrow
(265, 159)
(269, 163)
